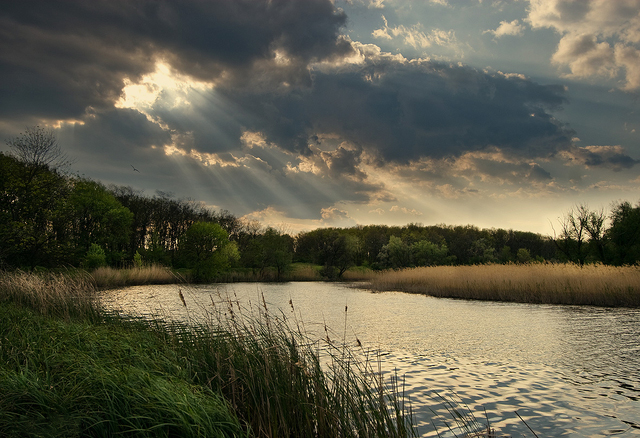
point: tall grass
(154, 274)
(51, 294)
(282, 384)
(595, 285)
(81, 379)
(233, 374)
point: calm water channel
(566, 370)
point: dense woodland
(51, 219)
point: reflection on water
(566, 370)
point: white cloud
(507, 28)
(405, 210)
(599, 37)
(585, 56)
(414, 35)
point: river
(566, 370)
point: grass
(106, 277)
(69, 368)
(51, 294)
(78, 378)
(594, 285)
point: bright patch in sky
(322, 113)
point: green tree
(32, 215)
(95, 257)
(334, 249)
(277, 251)
(523, 255)
(205, 249)
(98, 218)
(624, 234)
(483, 251)
(395, 254)
(425, 253)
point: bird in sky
(134, 168)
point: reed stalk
(540, 283)
(235, 373)
(107, 277)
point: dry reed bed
(51, 294)
(154, 274)
(595, 285)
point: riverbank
(537, 283)
(70, 368)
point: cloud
(507, 28)
(610, 157)
(57, 59)
(401, 111)
(414, 36)
(585, 56)
(599, 37)
(405, 210)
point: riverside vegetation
(51, 219)
(540, 283)
(70, 368)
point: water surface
(566, 370)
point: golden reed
(541, 283)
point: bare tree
(579, 227)
(38, 147)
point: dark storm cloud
(403, 111)
(114, 135)
(611, 157)
(59, 57)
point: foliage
(334, 249)
(624, 234)
(95, 257)
(206, 249)
(32, 214)
(98, 218)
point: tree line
(49, 218)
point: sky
(319, 113)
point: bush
(95, 258)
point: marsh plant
(236, 373)
(543, 283)
(107, 277)
(283, 384)
(51, 294)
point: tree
(277, 251)
(395, 254)
(204, 247)
(523, 255)
(624, 234)
(32, 215)
(38, 148)
(578, 228)
(483, 251)
(425, 253)
(98, 218)
(334, 249)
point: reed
(51, 294)
(235, 373)
(81, 379)
(542, 283)
(283, 384)
(107, 277)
